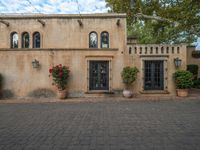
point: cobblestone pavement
(103, 125)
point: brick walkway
(101, 125)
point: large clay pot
(62, 94)
(127, 93)
(182, 92)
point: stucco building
(95, 48)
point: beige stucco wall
(65, 42)
(22, 78)
(192, 60)
(137, 59)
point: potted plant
(128, 75)
(60, 76)
(184, 81)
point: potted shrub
(184, 81)
(60, 76)
(128, 75)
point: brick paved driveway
(116, 125)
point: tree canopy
(160, 21)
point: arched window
(25, 40)
(36, 40)
(104, 40)
(14, 40)
(93, 40)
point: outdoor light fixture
(35, 63)
(177, 62)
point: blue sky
(52, 6)
(57, 7)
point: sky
(57, 7)
(53, 6)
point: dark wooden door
(153, 75)
(99, 75)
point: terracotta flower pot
(62, 94)
(182, 92)
(127, 93)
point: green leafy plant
(59, 75)
(129, 75)
(183, 79)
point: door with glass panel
(99, 75)
(153, 75)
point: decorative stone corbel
(42, 22)
(118, 22)
(5, 22)
(80, 22)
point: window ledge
(154, 92)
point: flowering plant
(60, 75)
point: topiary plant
(183, 79)
(129, 75)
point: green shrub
(196, 84)
(193, 69)
(129, 75)
(183, 79)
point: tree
(160, 21)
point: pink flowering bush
(59, 75)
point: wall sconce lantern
(177, 62)
(35, 64)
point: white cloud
(53, 1)
(70, 7)
(52, 6)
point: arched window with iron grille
(36, 40)
(93, 40)
(14, 40)
(25, 40)
(104, 40)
